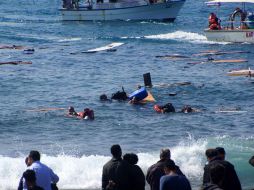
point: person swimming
(72, 112)
(86, 114)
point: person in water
(86, 114)
(214, 22)
(104, 98)
(167, 108)
(72, 112)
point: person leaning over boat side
(156, 171)
(67, 4)
(44, 175)
(214, 22)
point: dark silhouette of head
(104, 97)
(116, 151)
(169, 166)
(131, 158)
(211, 153)
(217, 173)
(34, 155)
(165, 154)
(221, 152)
(29, 176)
(187, 109)
(167, 108)
(71, 109)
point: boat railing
(120, 4)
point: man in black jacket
(230, 179)
(138, 181)
(115, 174)
(156, 171)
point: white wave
(69, 39)
(183, 36)
(85, 172)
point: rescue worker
(214, 22)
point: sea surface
(61, 76)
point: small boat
(244, 32)
(106, 10)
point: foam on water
(183, 36)
(85, 172)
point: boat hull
(158, 11)
(238, 36)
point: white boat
(244, 32)
(166, 10)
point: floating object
(139, 94)
(172, 94)
(149, 98)
(122, 10)
(211, 60)
(215, 52)
(11, 47)
(45, 109)
(16, 63)
(174, 56)
(232, 33)
(104, 48)
(147, 80)
(242, 72)
(28, 51)
(164, 85)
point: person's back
(230, 179)
(44, 175)
(116, 171)
(137, 177)
(174, 182)
(171, 180)
(156, 171)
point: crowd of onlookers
(123, 173)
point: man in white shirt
(44, 175)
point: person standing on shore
(29, 176)
(156, 171)
(44, 175)
(173, 181)
(230, 179)
(116, 172)
(137, 177)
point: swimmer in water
(72, 112)
(86, 114)
(188, 109)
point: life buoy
(157, 108)
(238, 13)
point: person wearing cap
(44, 175)
(156, 171)
(116, 172)
(230, 180)
(173, 181)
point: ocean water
(77, 149)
